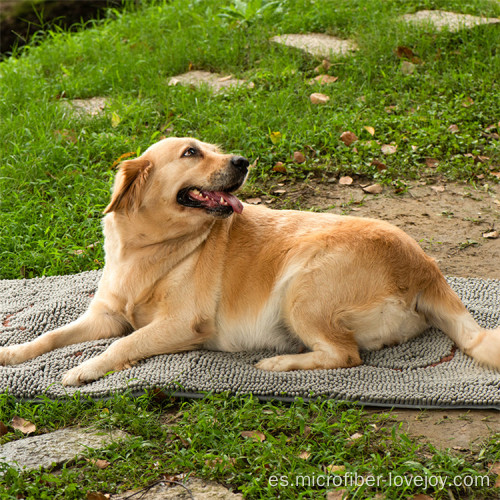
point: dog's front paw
(86, 372)
(274, 364)
(12, 355)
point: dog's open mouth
(217, 202)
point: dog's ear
(129, 185)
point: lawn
(57, 168)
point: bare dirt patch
(447, 219)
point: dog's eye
(189, 152)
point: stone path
(55, 447)
(318, 44)
(216, 82)
(447, 20)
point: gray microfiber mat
(426, 372)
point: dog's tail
(444, 310)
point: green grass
(56, 174)
(204, 438)
(56, 166)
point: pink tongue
(230, 199)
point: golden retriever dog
(189, 266)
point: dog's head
(183, 176)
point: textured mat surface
(425, 372)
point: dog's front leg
(97, 323)
(160, 337)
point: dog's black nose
(240, 163)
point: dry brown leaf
(324, 66)
(467, 102)
(356, 436)
(25, 426)
(97, 495)
(496, 174)
(317, 98)
(491, 127)
(421, 496)
(335, 468)
(341, 494)
(373, 189)
(299, 157)
(279, 191)
(257, 435)
(492, 235)
(388, 149)
(305, 455)
(405, 52)
(348, 137)
(438, 189)
(453, 129)
(346, 180)
(390, 109)
(431, 162)
(370, 130)
(3, 429)
(279, 167)
(407, 68)
(380, 166)
(253, 201)
(323, 79)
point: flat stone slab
(55, 447)
(318, 44)
(215, 81)
(92, 107)
(198, 489)
(452, 21)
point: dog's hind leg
(97, 323)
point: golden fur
(180, 277)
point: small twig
(147, 488)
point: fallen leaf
(275, 137)
(380, 166)
(299, 157)
(453, 129)
(496, 174)
(355, 436)
(370, 130)
(431, 162)
(493, 235)
(490, 127)
(345, 181)
(323, 79)
(66, 134)
(388, 149)
(335, 468)
(257, 435)
(97, 495)
(99, 463)
(337, 495)
(305, 455)
(495, 468)
(307, 430)
(390, 109)
(481, 158)
(3, 429)
(317, 98)
(225, 78)
(438, 189)
(421, 496)
(115, 120)
(324, 66)
(405, 52)
(279, 167)
(254, 201)
(407, 68)
(467, 102)
(279, 191)
(348, 137)
(373, 189)
(25, 426)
